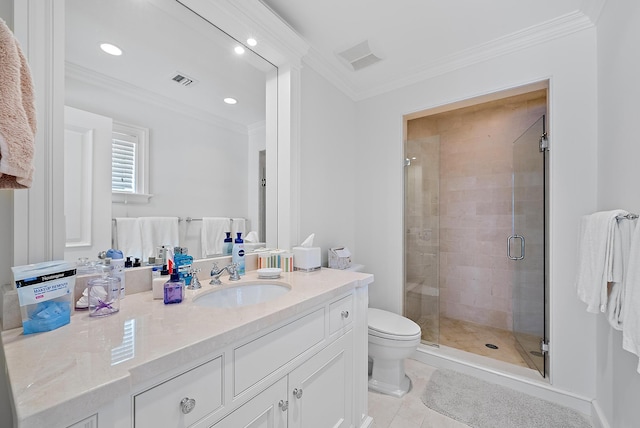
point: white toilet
(392, 338)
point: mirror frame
(38, 222)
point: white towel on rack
(624, 231)
(631, 300)
(596, 264)
(238, 224)
(157, 231)
(212, 234)
(129, 236)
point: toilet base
(388, 389)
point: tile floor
(472, 337)
(409, 411)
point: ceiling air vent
(183, 79)
(359, 56)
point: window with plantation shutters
(123, 163)
(129, 160)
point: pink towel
(17, 114)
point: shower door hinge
(544, 346)
(544, 142)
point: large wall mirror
(206, 158)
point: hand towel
(631, 300)
(624, 230)
(157, 231)
(238, 224)
(213, 234)
(596, 264)
(129, 237)
(17, 114)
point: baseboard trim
(518, 378)
(598, 418)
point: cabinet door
(266, 410)
(321, 389)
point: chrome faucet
(216, 272)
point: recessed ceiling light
(239, 50)
(251, 41)
(111, 49)
(230, 100)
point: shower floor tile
(472, 337)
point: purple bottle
(173, 289)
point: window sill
(130, 198)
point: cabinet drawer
(340, 313)
(257, 359)
(161, 405)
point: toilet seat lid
(388, 323)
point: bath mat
(481, 404)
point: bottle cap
(228, 238)
(175, 276)
(239, 238)
(164, 270)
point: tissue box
(339, 258)
(306, 258)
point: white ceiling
(422, 38)
(160, 38)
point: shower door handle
(521, 238)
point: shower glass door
(526, 245)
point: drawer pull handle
(284, 405)
(345, 314)
(187, 405)
(297, 393)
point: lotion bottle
(117, 268)
(237, 255)
(227, 246)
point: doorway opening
(475, 212)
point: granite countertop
(80, 367)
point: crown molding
(593, 9)
(120, 87)
(534, 35)
(278, 43)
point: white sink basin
(248, 293)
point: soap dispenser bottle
(173, 289)
(237, 255)
(227, 246)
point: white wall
(570, 65)
(328, 165)
(618, 383)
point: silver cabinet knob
(284, 405)
(187, 405)
(345, 314)
(297, 393)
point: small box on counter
(339, 258)
(44, 294)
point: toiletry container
(182, 262)
(117, 268)
(227, 245)
(237, 255)
(103, 296)
(158, 278)
(173, 289)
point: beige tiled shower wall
(464, 209)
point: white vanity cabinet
(299, 361)
(318, 393)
